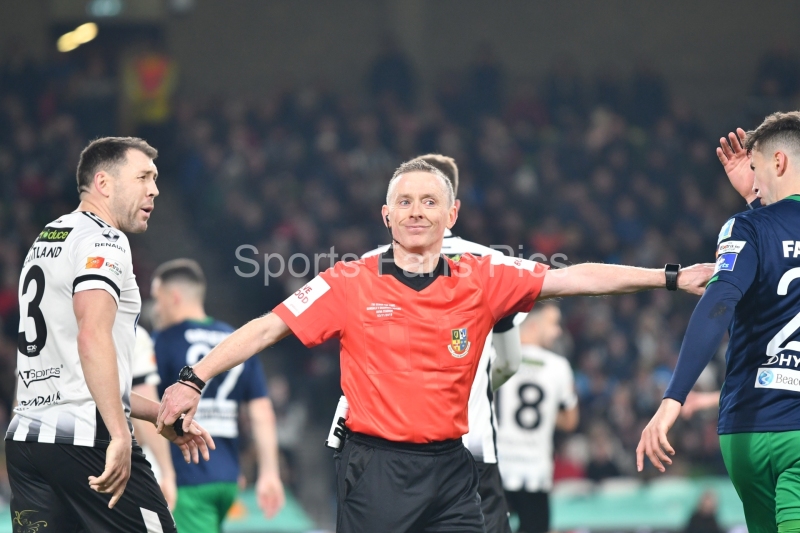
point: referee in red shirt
(412, 325)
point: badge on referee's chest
(459, 345)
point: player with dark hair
(752, 292)
(185, 335)
(412, 325)
(73, 464)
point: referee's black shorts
(385, 486)
(493, 499)
(50, 485)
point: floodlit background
(580, 127)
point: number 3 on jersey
(35, 319)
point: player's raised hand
(117, 471)
(736, 162)
(654, 443)
(178, 399)
(269, 492)
(194, 442)
(694, 279)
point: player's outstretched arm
(736, 162)
(95, 311)
(269, 489)
(194, 442)
(595, 279)
(242, 344)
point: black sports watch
(187, 374)
(671, 272)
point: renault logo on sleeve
(111, 235)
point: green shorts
(202, 508)
(765, 470)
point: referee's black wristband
(191, 387)
(671, 273)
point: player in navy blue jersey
(186, 335)
(754, 294)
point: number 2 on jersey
(34, 347)
(775, 345)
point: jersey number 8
(527, 414)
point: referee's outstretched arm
(595, 279)
(250, 339)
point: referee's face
(418, 212)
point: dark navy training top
(185, 344)
(759, 254)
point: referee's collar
(412, 280)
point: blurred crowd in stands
(610, 168)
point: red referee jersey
(408, 357)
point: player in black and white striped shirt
(72, 461)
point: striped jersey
(482, 436)
(77, 252)
(527, 407)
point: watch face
(185, 373)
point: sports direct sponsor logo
(726, 262)
(29, 376)
(306, 295)
(778, 378)
(94, 262)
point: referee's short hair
(418, 165)
(778, 130)
(446, 164)
(107, 153)
(186, 271)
